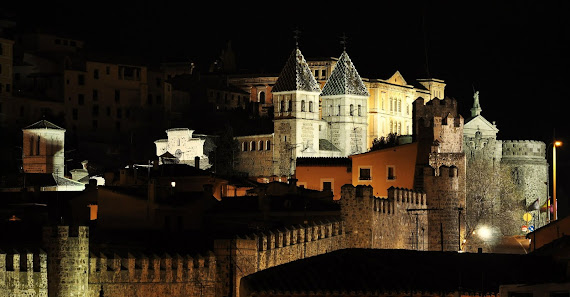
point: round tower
(68, 260)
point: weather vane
(343, 39)
(296, 36)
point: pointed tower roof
(43, 124)
(344, 79)
(296, 75)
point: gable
(479, 123)
(397, 79)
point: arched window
(310, 106)
(262, 97)
(282, 106)
(38, 146)
(268, 145)
(399, 105)
(260, 145)
(252, 146)
(359, 110)
(290, 108)
(244, 147)
(351, 109)
(302, 105)
(338, 110)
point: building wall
(255, 155)
(313, 176)
(401, 159)
(43, 151)
(6, 67)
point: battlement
(64, 232)
(111, 267)
(299, 234)
(524, 149)
(436, 107)
(23, 273)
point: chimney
(197, 162)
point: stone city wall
(23, 274)
(388, 223)
(151, 275)
(240, 257)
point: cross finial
(343, 39)
(296, 37)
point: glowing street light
(554, 203)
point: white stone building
(183, 147)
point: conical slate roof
(344, 79)
(296, 75)
(43, 124)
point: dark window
(95, 95)
(118, 125)
(108, 111)
(365, 174)
(96, 73)
(149, 99)
(324, 73)
(7, 87)
(80, 99)
(80, 79)
(74, 114)
(119, 113)
(302, 105)
(108, 70)
(117, 95)
(310, 106)
(127, 113)
(327, 186)
(158, 81)
(268, 145)
(262, 97)
(95, 110)
(391, 173)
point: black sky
(514, 52)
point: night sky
(514, 52)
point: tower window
(268, 145)
(252, 146)
(351, 110)
(310, 106)
(260, 145)
(359, 110)
(302, 105)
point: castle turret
(43, 148)
(441, 170)
(68, 260)
(344, 103)
(296, 125)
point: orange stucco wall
(401, 158)
(312, 177)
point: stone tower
(440, 170)
(43, 148)
(344, 104)
(480, 137)
(296, 125)
(68, 260)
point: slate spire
(344, 79)
(296, 75)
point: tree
(391, 140)
(493, 202)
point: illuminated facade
(182, 145)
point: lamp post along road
(554, 202)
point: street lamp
(554, 204)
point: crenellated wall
(395, 222)
(240, 257)
(151, 275)
(23, 274)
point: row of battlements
(523, 148)
(64, 232)
(23, 261)
(153, 268)
(23, 271)
(297, 235)
(407, 196)
(442, 171)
